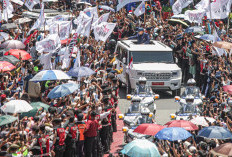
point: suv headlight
(175, 73)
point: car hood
(155, 67)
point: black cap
(57, 120)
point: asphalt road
(164, 106)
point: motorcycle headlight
(173, 116)
(125, 129)
(120, 116)
(150, 115)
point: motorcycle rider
(142, 87)
(189, 106)
(191, 88)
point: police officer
(81, 129)
(70, 140)
(142, 88)
(59, 138)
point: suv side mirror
(124, 60)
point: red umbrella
(149, 129)
(17, 53)
(187, 125)
(6, 66)
(66, 41)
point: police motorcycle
(191, 89)
(145, 94)
(187, 110)
(137, 114)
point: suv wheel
(176, 92)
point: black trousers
(59, 151)
(185, 70)
(80, 148)
(70, 149)
(104, 134)
(90, 147)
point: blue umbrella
(141, 147)
(63, 90)
(193, 29)
(80, 72)
(216, 132)
(46, 75)
(207, 37)
(173, 134)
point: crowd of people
(82, 124)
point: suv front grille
(157, 76)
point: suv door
(122, 59)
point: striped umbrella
(6, 66)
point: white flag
(179, 5)
(57, 18)
(62, 28)
(66, 59)
(40, 21)
(82, 17)
(101, 19)
(140, 9)
(194, 15)
(49, 44)
(219, 9)
(103, 31)
(91, 12)
(216, 37)
(86, 26)
(122, 3)
(203, 5)
(31, 3)
(105, 7)
(218, 51)
(7, 10)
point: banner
(219, 9)
(40, 21)
(101, 19)
(179, 5)
(62, 28)
(103, 31)
(140, 9)
(7, 10)
(203, 5)
(31, 3)
(57, 18)
(122, 3)
(49, 44)
(82, 17)
(194, 15)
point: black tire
(125, 139)
(128, 85)
(176, 92)
(120, 84)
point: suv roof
(152, 46)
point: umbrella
(19, 53)
(13, 44)
(66, 41)
(6, 66)
(36, 106)
(148, 129)
(223, 44)
(173, 134)
(11, 59)
(6, 119)
(180, 16)
(63, 90)
(84, 3)
(187, 125)
(223, 150)
(201, 120)
(23, 20)
(8, 26)
(207, 37)
(80, 72)
(46, 75)
(4, 36)
(176, 21)
(216, 132)
(194, 29)
(16, 106)
(227, 88)
(139, 148)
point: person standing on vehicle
(142, 37)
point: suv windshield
(152, 57)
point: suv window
(121, 53)
(152, 57)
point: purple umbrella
(13, 44)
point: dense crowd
(82, 123)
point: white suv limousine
(153, 61)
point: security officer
(81, 129)
(142, 88)
(71, 138)
(59, 138)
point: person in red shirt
(90, 136)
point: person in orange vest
(81, 138)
